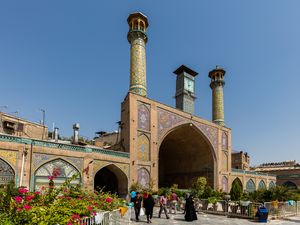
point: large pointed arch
(65, 171)
(111, 178)
(7, 173)
(186, 153)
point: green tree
(198, 186)
(236, 191)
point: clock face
(189, 85)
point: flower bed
(54, 205)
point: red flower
(27, 207)
(22, 190)
(70, 223)
(29, 198)
(94, 213)
(37, 193)
(90, 208)
(108, 200)
(18, 199)
(50, 177)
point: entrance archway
(112, 179)
(184, 155)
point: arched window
(135, 24)
(271, 184)
(262, 185)
(63, 169)
(142, 25)
(250, 186)
(7, 173)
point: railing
(108, 218)
(101, 218)
(115, 217)
(242, 209)
(283, 209)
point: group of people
(147, 201)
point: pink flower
(22, 190)
(70, 223)
(90, 208)
(37, 193)
(108, 200)
(94, 213)
(56, 172)
(18, 199)
(27, 207)
(50, 177)
(75, 217)
(19, 209)
(29, 198)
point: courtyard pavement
(208, 219)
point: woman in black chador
(148, 205)
(190, 212)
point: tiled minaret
(216, 84)
(137, 37)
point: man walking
(137, 201)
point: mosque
(157, 143)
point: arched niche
(64, 169)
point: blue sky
(71, 58)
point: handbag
(142, 213)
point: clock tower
(185, 89)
